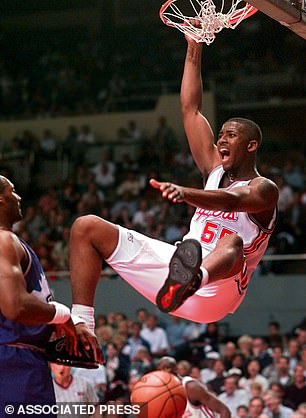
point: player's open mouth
(224, 153)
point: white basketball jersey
(208, 226)
(193, 411)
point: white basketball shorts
(143, 262)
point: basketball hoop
(212, 19)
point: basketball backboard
(290, 13)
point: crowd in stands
(118, 190)
(70, 72)
(255, 376)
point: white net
(210, 17)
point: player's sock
(205, 276)
(85, 312)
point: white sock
(205, 276)
(85, 312)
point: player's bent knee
(232, 247)
(82, 225)
(232, 240)
(237, 241)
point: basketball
(161, 395)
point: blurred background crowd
(254, 375)
(111, 181)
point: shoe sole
(183, 274)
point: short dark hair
(252, 128)
(257, 398)
(274, 324)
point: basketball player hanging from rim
(206, 276)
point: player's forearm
(192, 88)
(30, 311)
(212, 199)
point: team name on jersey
(205, 213)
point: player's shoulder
(9, 242)
(264, 184)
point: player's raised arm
(197, 127)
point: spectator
(217, 384)
(292, 353)
(48, 201)
(70, 389)
(242, 411)
(282, 375)
(164, 141)
(232, 396)
(195, 373)
(256, 407)
(253, 375)
(86, 136)
(141, 362)
(303, 357)
(60, 251)
(135, 340)
(274, 408)
(69, 198)
(104, 335)
(260, 352)
(293, 175)
(104, 171)
(256, 389)
(124, 209)
(141, 316)
(115, 368)
(82, 177)
(93, 197)
(285, 194)
(208, 372)
(296, 392)
(183, 368)
(279, 390)
(34, 222)
(48, 145)
(275, 338)
(229, 352)
(156, 337)
(271, 371)
(132, 184)
(96, 377)
(140, 218)
(207, 341)
(239, 362)
(301, 337)
(175, 332)
(302, 410)
(70, 144)
(100, 320)
(133, 131)
(245, 343)
(193, 330)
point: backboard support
(290, 13)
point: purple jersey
(12, 332)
